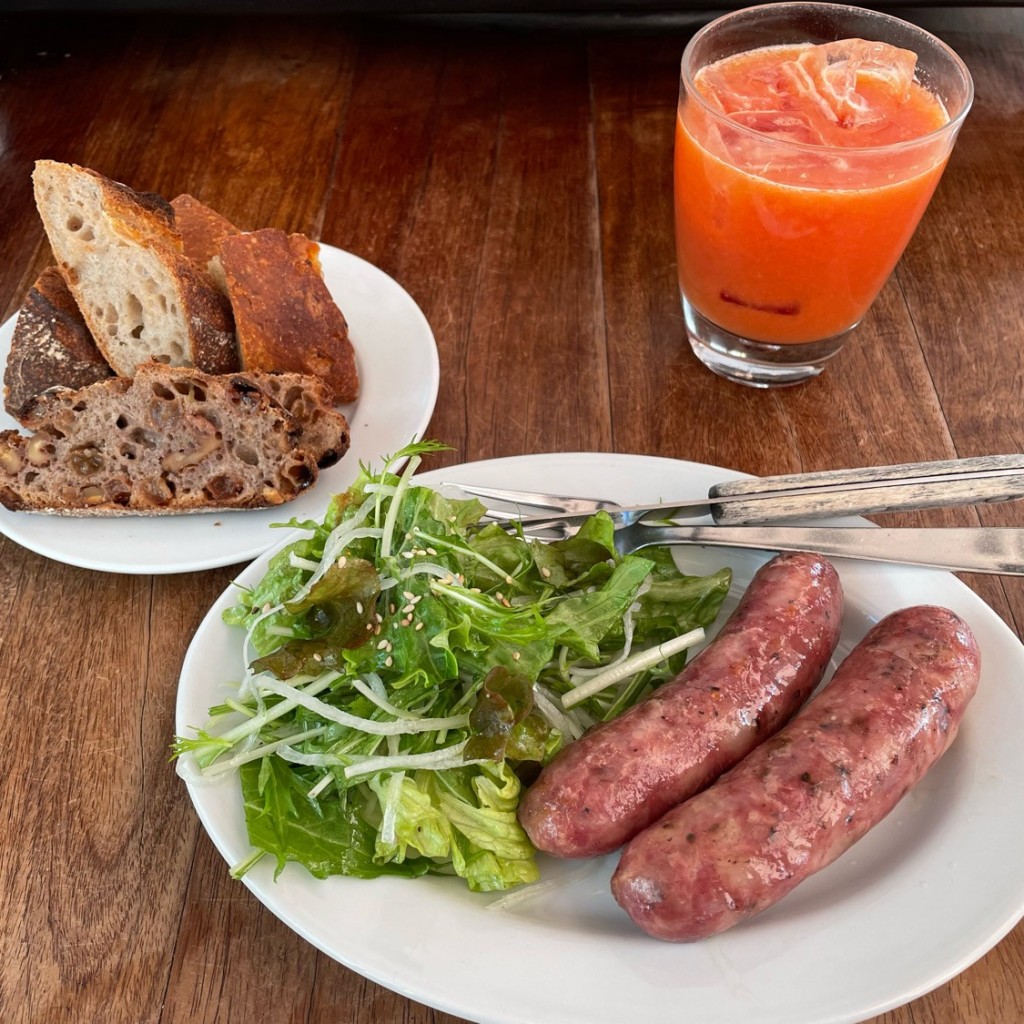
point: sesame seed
(509, 580)
(341, 562)
(419, 625)
(391, 609)
(382, 645)
(359, 607)
(389, 661)
(516, 655)
(499, 595)
(407, 554)
(416, 599)
(379, 617)
(267, 607)
(431, 551)
(407, 594)
(376, 630)
(545, 572)
(369, 625)
(406, 622)
(408, 608)
(318, 657)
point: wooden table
(517, 181)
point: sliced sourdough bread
(122, 259)
(51, 345)
(170, 440)
(285, 317)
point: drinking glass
(785, 233)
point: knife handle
(917, 485)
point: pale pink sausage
(763, 664)
(806, 795)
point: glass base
(756, 363)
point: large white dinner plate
(915, 902)
(398, 368)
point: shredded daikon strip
(333, 714)
(248, 651)
(339, 539)
(446, 757)
(252, 726)
(372, 694)
(628, 627)
(629, 667)
(289, 753)
(559, 719)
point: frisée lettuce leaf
(405, 666)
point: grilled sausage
(764, 663)
(806, 795)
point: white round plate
(398, 367)
(920, 898)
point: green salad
(407, 666)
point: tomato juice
(801, 172)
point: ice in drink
(801, 174)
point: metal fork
(778, 499)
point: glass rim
(952, 125)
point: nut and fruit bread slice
(325, 431)
(285, 317)
(51, 345)
(168, 440)
(122, 259)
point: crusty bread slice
(285, 317)
(122, 259)
(325, 431)
(51, 345)
(202, 230)
(170, 440)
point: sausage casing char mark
(809, 793)
(760, 668)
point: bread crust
(285, 317)
(51, 345)
(168, 441)
(202, 228)
(134, 231)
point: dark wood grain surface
(517, 181)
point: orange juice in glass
(809, 139)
